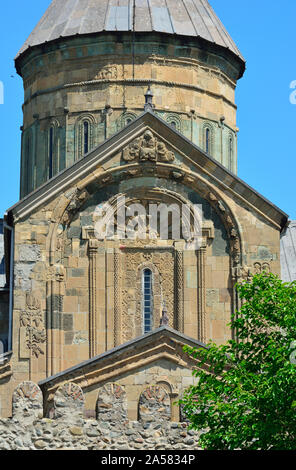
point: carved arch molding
(169, 260)
(125, 260)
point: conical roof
(66, 18)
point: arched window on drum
(85, 129)
(86, 135)
(147, 300)
(207, 140)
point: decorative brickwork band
(201, 294)
(179, 291)
(93, 249)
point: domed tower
(136, 229)
(87, 65)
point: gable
(160, 350)
(173, 156)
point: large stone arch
(116, 180)
(71, 202)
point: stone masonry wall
(28, 430)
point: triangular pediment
(145, 142)
(163, 344)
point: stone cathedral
(132, 99)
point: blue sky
(264, 32)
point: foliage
(244, 397)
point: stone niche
(27, 402)
(69, 401)
(154, 404)
(111, 403)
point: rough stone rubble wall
(28, 430)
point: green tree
(245, 392)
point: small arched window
(85, 133)
(174, 121)
(53, 149)
(147, 295)
(208, 140)
(85, 137)
(125, 119)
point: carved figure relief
(246, 272)
(260, 267)
(108, 72)
(147, 148)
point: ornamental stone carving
(77, 199)
(261, 267)
(162, 265)
(148, 148)
(241, 273)
(107, 73)
(235, 242)
(246, 272)
(32, 328)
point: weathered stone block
(74, 232)
(29, 253)
(67, 322)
